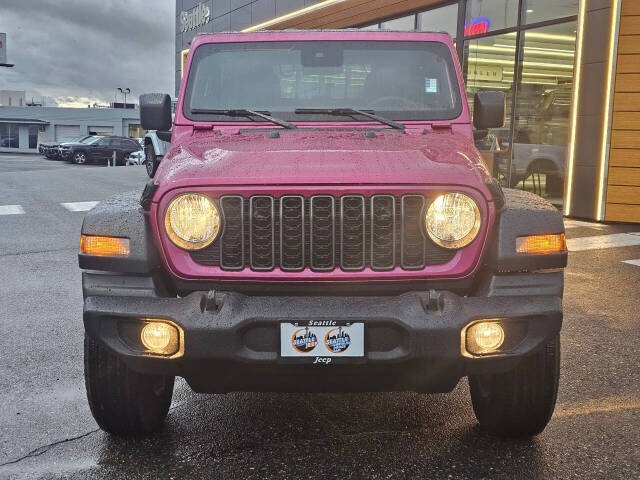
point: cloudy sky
(77, 52)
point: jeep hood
(322, 158)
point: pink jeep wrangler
(323, 223)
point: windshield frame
(459, 110)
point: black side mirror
(489, 110)
(155, 111)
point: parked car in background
(51, 150)
(536, 159)
(154, 149)
(136, 158)
(99, 149)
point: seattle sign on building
(194, 18)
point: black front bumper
(413, 341)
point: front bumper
(412, 341)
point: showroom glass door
(526, 49)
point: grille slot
(413, 240)
(352, 231)
(232, 240)
(261, 233)
(322, 242)
(292, 241)
(323, 233)
(383, 232)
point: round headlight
(192, 221)
(453, 220)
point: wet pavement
(46, 429)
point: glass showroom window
(8, 135)
(534, 11)
(33, 136)
(484, 16)
(136, 131)
(404, 23)
(443, 19)
(489, 65)
(543, 103)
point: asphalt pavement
(47, 431)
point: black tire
(150, 160)
(555, 184)
(519, 403)
(79, 158)
(122, 401)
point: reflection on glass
(404, 23)
(489, 68)
(541, 133)
(486, 15)
(534, 11)
(8, 135)
(444, 19)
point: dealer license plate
(321, 339)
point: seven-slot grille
(322, 233)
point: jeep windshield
(394, 79)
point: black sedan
(99, 150)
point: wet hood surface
(321, 157)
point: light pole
(124, 92)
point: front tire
(519, 403)
(150, 160)
(80, 158)
(122, 401)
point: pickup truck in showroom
(322, 222)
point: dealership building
(570, 70)
(23, 127)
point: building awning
(28, 121)
(334, 14)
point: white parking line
(79, 206)
(603, 241)
(632, 262)
(11, 210)
(577, 224)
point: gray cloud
(82, 50)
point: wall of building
(116, 119)
(12, 98)
(589, 110)
(623, 181)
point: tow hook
(209, 302)
(431, 301)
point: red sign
(479, 26)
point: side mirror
(489, 110)
(155, 111)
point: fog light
(483, 338)
(488, 335)
(160, 337)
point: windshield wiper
(350, 111)
(241, 112)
